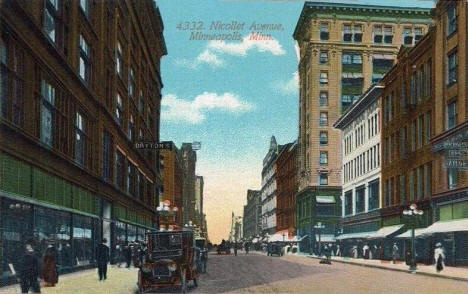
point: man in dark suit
(102, 257)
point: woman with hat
(439, 257)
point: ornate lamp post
(319, 227)
(412, 213)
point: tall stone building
(189, 159)
(344, 48)
(80, 84)
(252, 225)
(199, 183)
(173, 177)
(268, 191)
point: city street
(258, 273)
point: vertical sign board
(455, 151)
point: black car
(275, 249)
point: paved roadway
(258, 273)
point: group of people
(130, 252)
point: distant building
(189, 159)
(268, 191)
(286, 172)
(173, 176)
(198, 220)
(252, 225)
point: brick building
(189, 159)
(286, 189)
(251, 220)
(173, 178)
(344, 48)
(79, 85)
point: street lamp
(413, 212)
(318, 227)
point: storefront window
(17, 222)
(141, 234)
(132, 233)
(83, 239)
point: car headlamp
(172, 267)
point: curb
(396, 269)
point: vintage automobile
(202, 254)
(223, 248)
(169, 261)
(275, 248)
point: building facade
(189, 159)
(360, 141)
(286, 189)
(343, 49)
(173, 178)
(268, 191)
(251, 219)
(80, 84)
(198, 220)
(450, 132)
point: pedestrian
(365, 251)
(355, 251)
(235, 248)
(28, 273)
(439, 257)
(247, 247)
(141, 253)
(394, 253)
(102, 257)
(408, 258)
(128, 254)
(338, 250)
(49, 267)
(118, 254)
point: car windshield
(166, 242)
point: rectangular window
(131, 82)
(131, 129)
(451, 115)
(323, 98)
(402, 142)
(323, 121)
(413, 88)
(347, 33)
(451, 178)
(388, 35)
(119, 169)
(418, 34)
(51, 19)
(119, 109)
(324, 34)
(402, 189)
(451, 19)
(360, 196)
(323, 78)
(413, 136)
(427, 127)
(141, 103)
(419, 184)
(419, 130)
(323, 137)
(348, 202)
(80, 138)
(118, 58)
(357, 38)
(403, 97)
(323, 158)
(407, 36)
(411, 185)
(427, 180)
(323, 57)
(47, 110)
(84, 60)
(428, 76)
(323, 179)
(452, 68)
(378, 36)
(419, 86)
(84, 6)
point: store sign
(455, 151)
(165, 145)
(460, 164)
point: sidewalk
(454, 273)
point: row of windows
(359, 199)
(362, 164)
(360, 136)
(382, 34)
(419, 135)
(410, 187)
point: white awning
(459, 225)
(278, 237)
(363, 235)
(383, 56)
(325, 238)
(325, 199)
(351, 75)
(385, 231)
(407, 234)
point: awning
(325, 199)
(407, 234)
(385, 231)
(363, 235)
(325, 238)
(352, 75)
(383, 56)
(278, 237)
(459, 225)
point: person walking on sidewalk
(394, 253)
(28, 273)
(102, 257)
(128, 254)
(439, 257)
(49, 267)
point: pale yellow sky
(225, 190)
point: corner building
(344, 48)
(80, 84)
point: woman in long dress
(49, 267)
(439, 257)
